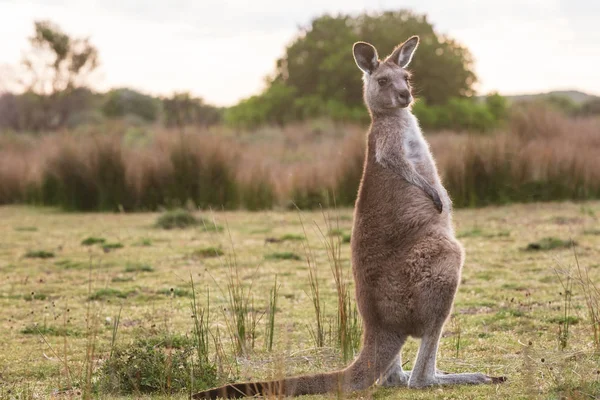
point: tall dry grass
(541, 156)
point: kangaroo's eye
(382, 81)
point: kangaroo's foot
(454, 379)
(396, 376)
(400, 378)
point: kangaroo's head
(386, 86)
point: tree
(55, 68)
(319, 61)
(318, 68)
(182, 109)
(123, 101)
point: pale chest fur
(415, 148)
(402, 138)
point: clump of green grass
(477, 232)
(174, 341)
(208, 252)
(68, 264)
(286, 255)
(145, 242)
(26, 229)
(112, 246)
(35, 296)
(39, 254)
(90, 241)
(118, 279)
(138, 267)
(144, 367)
(346, 237)
(175, 292)
(49, 331)
(562, 320)
(291, 237)
(335, 232)
(176, 219)
(108, 293)
(550, 243)
(270, 321)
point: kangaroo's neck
(399, 123)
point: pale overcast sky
(222, 50)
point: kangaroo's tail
(296, 386)
(380, 349)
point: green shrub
(176, 219)
(146, 366)
(121, 102)
(258, 193)
(109, 175)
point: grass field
(67, 277)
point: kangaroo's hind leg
(425, 373)
(397, 376)
(436, 295)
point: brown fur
(405, 258)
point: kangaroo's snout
(404, 98)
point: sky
(221, 50)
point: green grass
(291, 237)
(69, 264)
(287, 255)
(108, 293)
(208, 252)
(26, 228)
(508, 299)
(39, 254)
(90, 241)
(550, 243)
(138, 267)
(49, 331)
(112, 246)
(175, 292)
(35, 296)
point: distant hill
(574, 95)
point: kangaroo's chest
(415, 148)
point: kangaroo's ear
(404, 52)
(365, 56)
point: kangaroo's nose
(404, 95)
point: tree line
(315, 77)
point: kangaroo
(406, 261)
